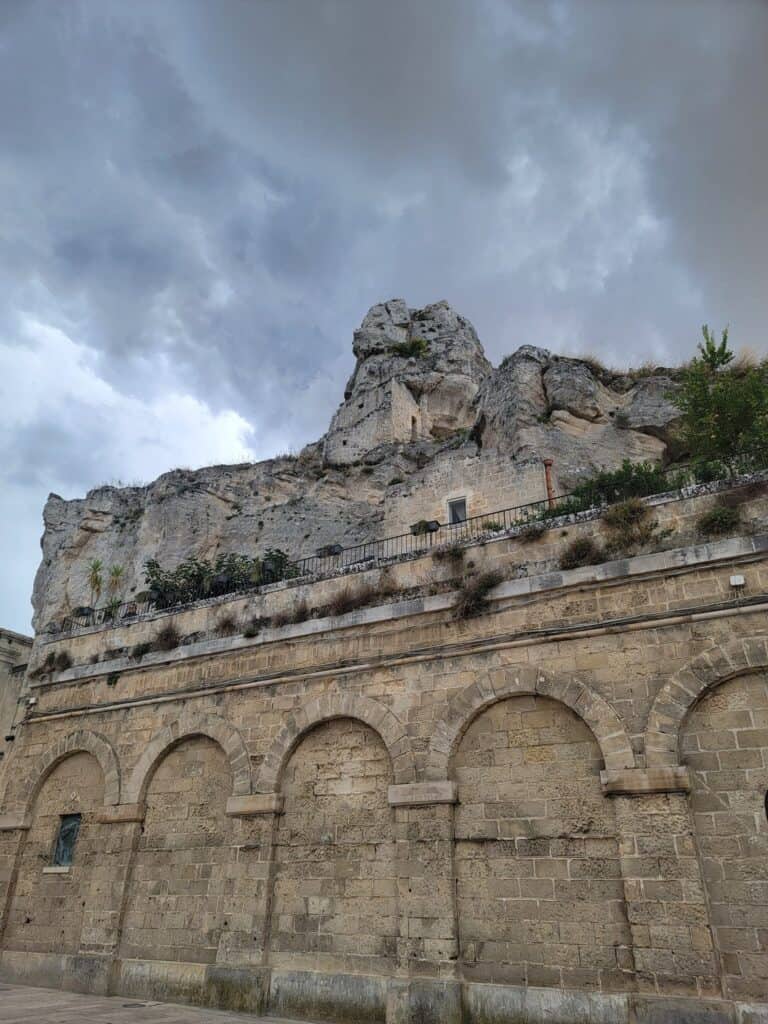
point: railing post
(548, 479)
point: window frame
(451, 503)
(61, 850)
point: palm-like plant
(95, 579)
(116, 574)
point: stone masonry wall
(484, 483)
(725, 743)
(47, 910)
(180, 868)
(540, 895)
(335, 883)
(406, 813)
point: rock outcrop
(417, 374)
(424, 409)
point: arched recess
(688, 686)
(29, 786)
(179, 900)
(187, 725)
(330, 706)
(48, 918)
(464, 706)
(334, 885)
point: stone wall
(536, 844)
(15, 650)
(725, 743)
(335, 896)
(180, 867)
(48, 910)
(487, 484)
(553, 810)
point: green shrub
(453, 553)
(227, 625)
(565, 507)
(63, 661)
(533, 531)
(473, 596)
(139, 650)
(719, 519)
(197, 578)
(493, 526)
(255, 626)
(348, 600)
(416, 348)
(581, 551)
(290, 616)
(631, 480)
(626, 515)
(168, 639)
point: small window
(457, 511)
(65, 840)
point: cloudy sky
(201, 198)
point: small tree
(95, 579)
(724, 409)
(715, 355)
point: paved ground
(20, 1005)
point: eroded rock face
(537, 403)
(396, 397)
(436, 422)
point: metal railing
(600, 491)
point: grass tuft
(473, 596)
(581, 551)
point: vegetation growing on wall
(581, 551)
(416, 348)
(630, 526)
(473, 596)
(719, 519)
(168, 639)
(196, 578)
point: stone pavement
(22, 1005)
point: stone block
(342, 998)
(651, 1010)
(119, 813)
(13, 822)
(660, 779)
(415, 794)
(254, 805)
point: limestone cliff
(423, 413)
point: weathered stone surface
(412, 428)
(539, 405)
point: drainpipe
(548, 479)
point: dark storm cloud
(201, 200)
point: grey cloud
(209, 196)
